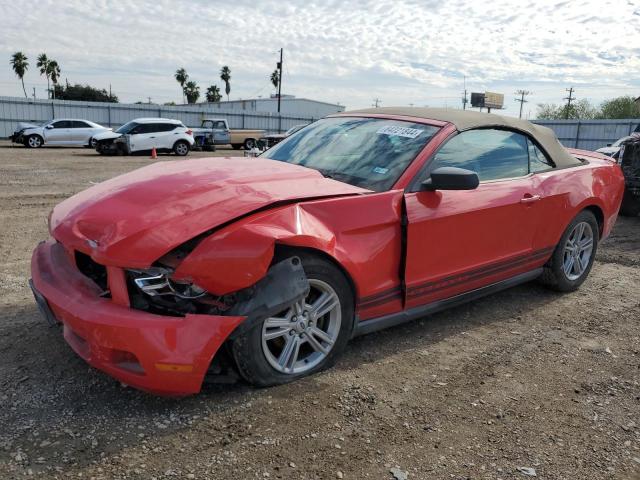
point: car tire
(249, 143)
(261, 359)
(93, 143)
(33, 141)
(181, 148)
(630, 204)
(573, 257)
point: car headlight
(157, 281)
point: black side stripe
(380, 296)
(456, 280)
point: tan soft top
(466, 119)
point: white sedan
(60, 131)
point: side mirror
(451, 178)
(49, 127)
(608, 144)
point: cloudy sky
(402, 52)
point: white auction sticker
(400, 131)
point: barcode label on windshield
(400, 131)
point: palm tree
(275, 79)
(192, 91)
(182, 77)
(54, 74)
(20, 66)
(43, 65)
(225, 76)
(213, 94)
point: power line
(522, 101)
(568, 99)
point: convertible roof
(466, 120)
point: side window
(492, 154)
(62, 124)
(78, 124)
(538, 160)
(218, 125)
(141, 128)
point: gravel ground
(526, 381)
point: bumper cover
(159, 354)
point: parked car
(629, 159)
(145, 134)
(612, 148)
(361, 221)
(216, 131)
(61, 131)
(275, 138)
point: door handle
(530, 198)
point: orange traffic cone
(154, 155)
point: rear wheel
(249, 143)
(181, 148)
(33, 141)
(573, 257)
(306, 337)
(630, 204)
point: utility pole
(149, 98)
(376, 102)
(568, 99)
(279, 79)
(464, 98)
(34, 93)
(522, 101)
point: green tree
(275, 79)
(191, 91)
(182, 78)
(20, 65)
(213, 94)
(54, 74)
(85, 93)
(43, 65)
(225, 76)
(620, 107)
(581, 109)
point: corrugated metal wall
(590, 134)
(14, 110)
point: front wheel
(33, 141)
(181, 148)
(303, 339)
(573, 257)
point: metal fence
(590, 134)
(14, 110)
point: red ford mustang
(357, 222)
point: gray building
(289, 106)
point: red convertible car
(268, 266)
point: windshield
(293, 130)
(367, 152)
(127, 127)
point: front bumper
(17, 137)
(159, 354)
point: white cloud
(401, 51)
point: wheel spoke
(324, 304)
(587, 243)
(321, 334)
(277, 322)
(568, 265)
(289, 354)
(316, 345)
(276, 333)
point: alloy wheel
(182, 149)
(34, 141)
(577, 251)
(301, 337)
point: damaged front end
(156, 291)
(112, 146)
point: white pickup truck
(216, 131)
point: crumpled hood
(106, 135)
(134, 219)
(26, 125)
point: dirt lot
(526, 378)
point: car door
(460, 240)
(220, 132)
(166, 135)
(80, 132)
(143, 137)
(58, 132)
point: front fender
(361, 233)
